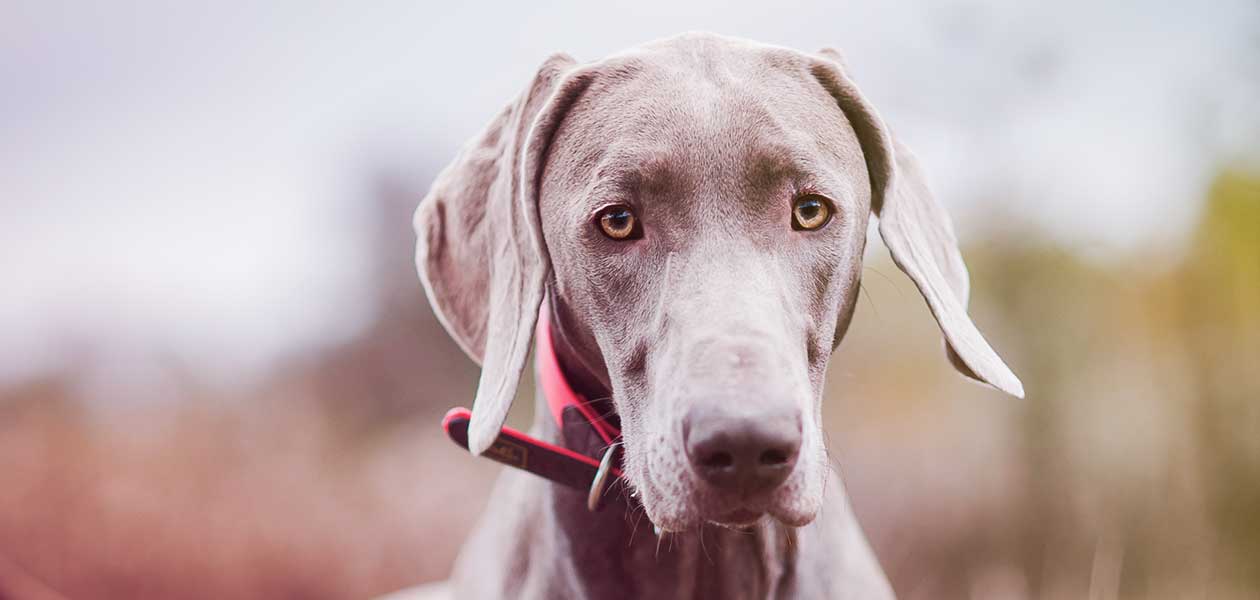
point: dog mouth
(739, 518)
(691, 507)
(724, 511)
(744, 517)
(677, 504)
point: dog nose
(745, 454)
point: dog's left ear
(917, 231)
(480, 250)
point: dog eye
(619, 223)
(810, 212)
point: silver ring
(596, 495)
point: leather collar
(589, 457)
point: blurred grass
(1132, 470)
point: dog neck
(615, 552)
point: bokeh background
(219, 377)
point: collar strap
(582, 427)
(523, 451)
(555, 387)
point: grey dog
(690, 215)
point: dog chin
(679, 503)
(739, 518)
(681, 516)
(745, 519)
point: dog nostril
(741, 454)
(773, 458)
(718, 460)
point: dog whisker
(869, 300)
(705, 550)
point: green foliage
(1222, 318)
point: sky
(190, 181)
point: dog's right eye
(810, 212)
(619, 223)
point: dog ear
(480, 250)
(917, 232)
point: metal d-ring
(596, 495)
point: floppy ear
(479, 248)
(917, 232)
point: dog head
(696, 211)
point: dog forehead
(686, 92)
(700, 107)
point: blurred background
(219, 376)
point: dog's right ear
(479, 248)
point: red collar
(556, 388)
(588, 433)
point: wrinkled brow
(771, 167)
(622, 173)
(763, 169)
(768, 168)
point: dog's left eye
(619, 223)
(810, 212)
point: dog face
(705, 221)
(696, 211)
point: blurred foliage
(1142, 426)
(1221, 316)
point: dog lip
(739, 517)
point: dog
(689, 218)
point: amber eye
(810, 212)
(619, 223)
